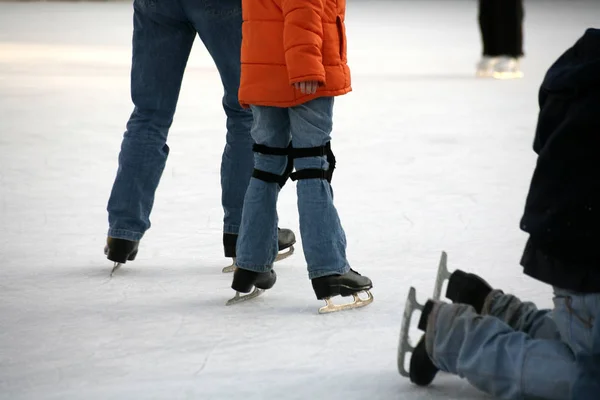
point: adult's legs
(162, 41)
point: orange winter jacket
(289, 41)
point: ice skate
(286, 241)
(485, 67)
(348, 284)
(245, 281)
(507, 68)
(421, 369)
(464, 288)
(120, 251)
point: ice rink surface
(429, 159)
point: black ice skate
(286, 241)
(466, 288)
(421, 369)
(244, 281)
(348, 284)
(120, 251)
(463, 287)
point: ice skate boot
(421, 369)
(244, 281)
(485, 67)
(349, 284)
(120, 251)
(286, 241)
(507, 68)
(466, 288)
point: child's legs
(257, 242)
(323, 238)
(495, 358)
(521, 316)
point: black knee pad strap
(314, 173)
(268, 176)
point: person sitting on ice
(501, 345)
(293, 64)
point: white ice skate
(507, 68)
(404, 345)
(285, 253)
(485, 67)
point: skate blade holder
(239, 298)
(280, 256)
(358, 302)
(405, 347)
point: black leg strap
(314, 173)
(268, 176)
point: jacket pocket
(342, 37)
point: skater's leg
(219, 25)
(495, 358)
(161, 46)
(323, 238)
(510, 14)
(487, 27)
(257, 243)
(521, 316)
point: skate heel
(244, 280)
(121, 250)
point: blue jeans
(587, 382)
(163, 34)
(323, 238)
(513, 350)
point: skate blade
(404, 346)
(285, 254)
(357, 303)
(280, 256)
(229, 268)
(507, 75)
(115, 268)
(442, 276)
(241, 298)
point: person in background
(501, 28)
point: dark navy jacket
(562, 210)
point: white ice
(429, 159)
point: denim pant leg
(161, 46)
(257, 242)
(219, 25)
(497, 359)
(587, 383)
(323, 238)
(521, 316)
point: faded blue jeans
(323, 238)
(163, 34)
(513, 350)
(587, 383)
